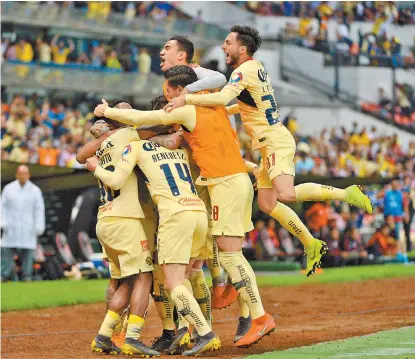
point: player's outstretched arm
(221, 98)
(185, 116)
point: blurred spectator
(112, 61)
(98, 54)
(48, 156)
(381, 243)
(343, 32)
(317, 217)
(144, 62)
(394, 206)
(353, 250)
(130, 12)
(24, 51)
(44, 51)
(333, 258)
(304, 163)
(5, 43)
(60, 51)
(19, 153)
(23, 219)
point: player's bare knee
(265, 205)
(287, 195)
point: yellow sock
(162, 300)
(135, 324)
(182, 320)
(110, 322)
(243, 278)
(187, 306)
(214, 264)
(318, 192)
(243, 308)
(290, 221)
(201, 293)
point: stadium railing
(148, 30)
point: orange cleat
(260, 327)
(223, 295)
(118, 339)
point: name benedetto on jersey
(167, 174)
(125, 201)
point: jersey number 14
(184, 174)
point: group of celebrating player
(186, 153)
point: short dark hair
(157, 103)
(249, 37)
(115, 103)
(185, 45)
(178, 70)
(182, 80)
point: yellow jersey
(122, 202)
(251, 86)
(256, 101)
(166, 172)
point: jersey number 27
(269, 111)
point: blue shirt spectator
(394, 201)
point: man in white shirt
(23, 220)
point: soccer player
(121, 229)
(251, 86)
(215, 150)
(179, 50)
(182, 225)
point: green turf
(340, 275)
(18, 296)
(393, 344)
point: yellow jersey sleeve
(185, 116)
(117, 179)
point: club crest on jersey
(236, 77)
(262, 75)
(150, 146)
(127, 150)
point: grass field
(396, 344)
(19, 296)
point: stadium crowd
(336, 152)
(112, 55)
(354, 10)
(33, 130)
(117, 54)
